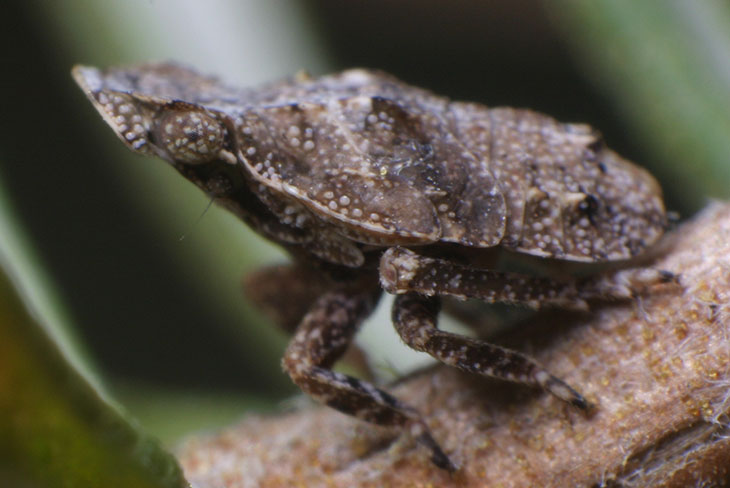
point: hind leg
(403, 271)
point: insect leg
(321, 338)
(286, 292)
(414, 317)
(402, 270)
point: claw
(438, 456)
(562, 390)
(668, 276)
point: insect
(371, 184)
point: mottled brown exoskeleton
(372, 184)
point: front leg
(321, 338)
(286, 292)
(415, 318)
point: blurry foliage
(105, 226)
(55, 429)
(666, 67)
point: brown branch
(658, 368)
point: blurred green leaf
(193, 411)
(55, 429)
(667, 68)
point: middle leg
(415, 319)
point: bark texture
(658, 369)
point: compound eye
(191, 137)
